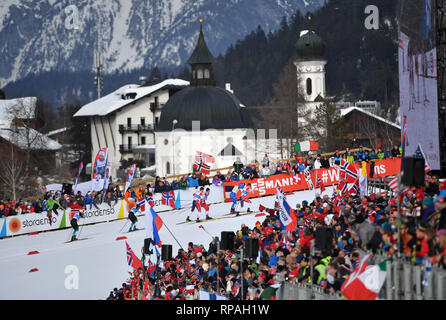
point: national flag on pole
(200, 166)
(342, 187)
(142, 203)
(153, 224)
(168, 199)
(284, 208)
(354, 189)
(365, 282)
(204, 157)
(347, 171)
(132, 259)
(130, 176)
(306, 146)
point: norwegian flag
(319, 183)
(200, 166)
(150, 201)
(132, 259)
(204, 157)
(142, 203)
(347, 171)
(342, 186)
(168, 199)
(354, 190)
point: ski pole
(80, 230)
(126, 220)
(69, 235)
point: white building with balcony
(124, 121)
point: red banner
(267, 186)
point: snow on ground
(101, 259)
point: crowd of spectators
(196, 179)
(353, 225)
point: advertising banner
(36, 222)
(288, 183)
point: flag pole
(164, 224)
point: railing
(403, 282)
(135, 128)
(290, 291)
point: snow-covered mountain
(44, 35)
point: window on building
(129, 122)
(167, 167)
(309, 87)
(206, 74)
(200, 74)
(194, 74)
(129, 141)
(143, 121)
(143, 140)
(157, 119)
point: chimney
(143, 80)
(228, 88)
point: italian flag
(306, 146)
(365, 282)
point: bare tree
(285, 113)
(22, 115)
(12, 173)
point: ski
(133, 230)
(76, 240)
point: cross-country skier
(233, 196)
(245, 196)
(78, 213)
(133, 218)
(52, 206)
(196, 204)
(204, 204)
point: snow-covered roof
(346, 111)
(114, 101)
(28, 138)
(21, 108)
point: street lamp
(174, 122)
